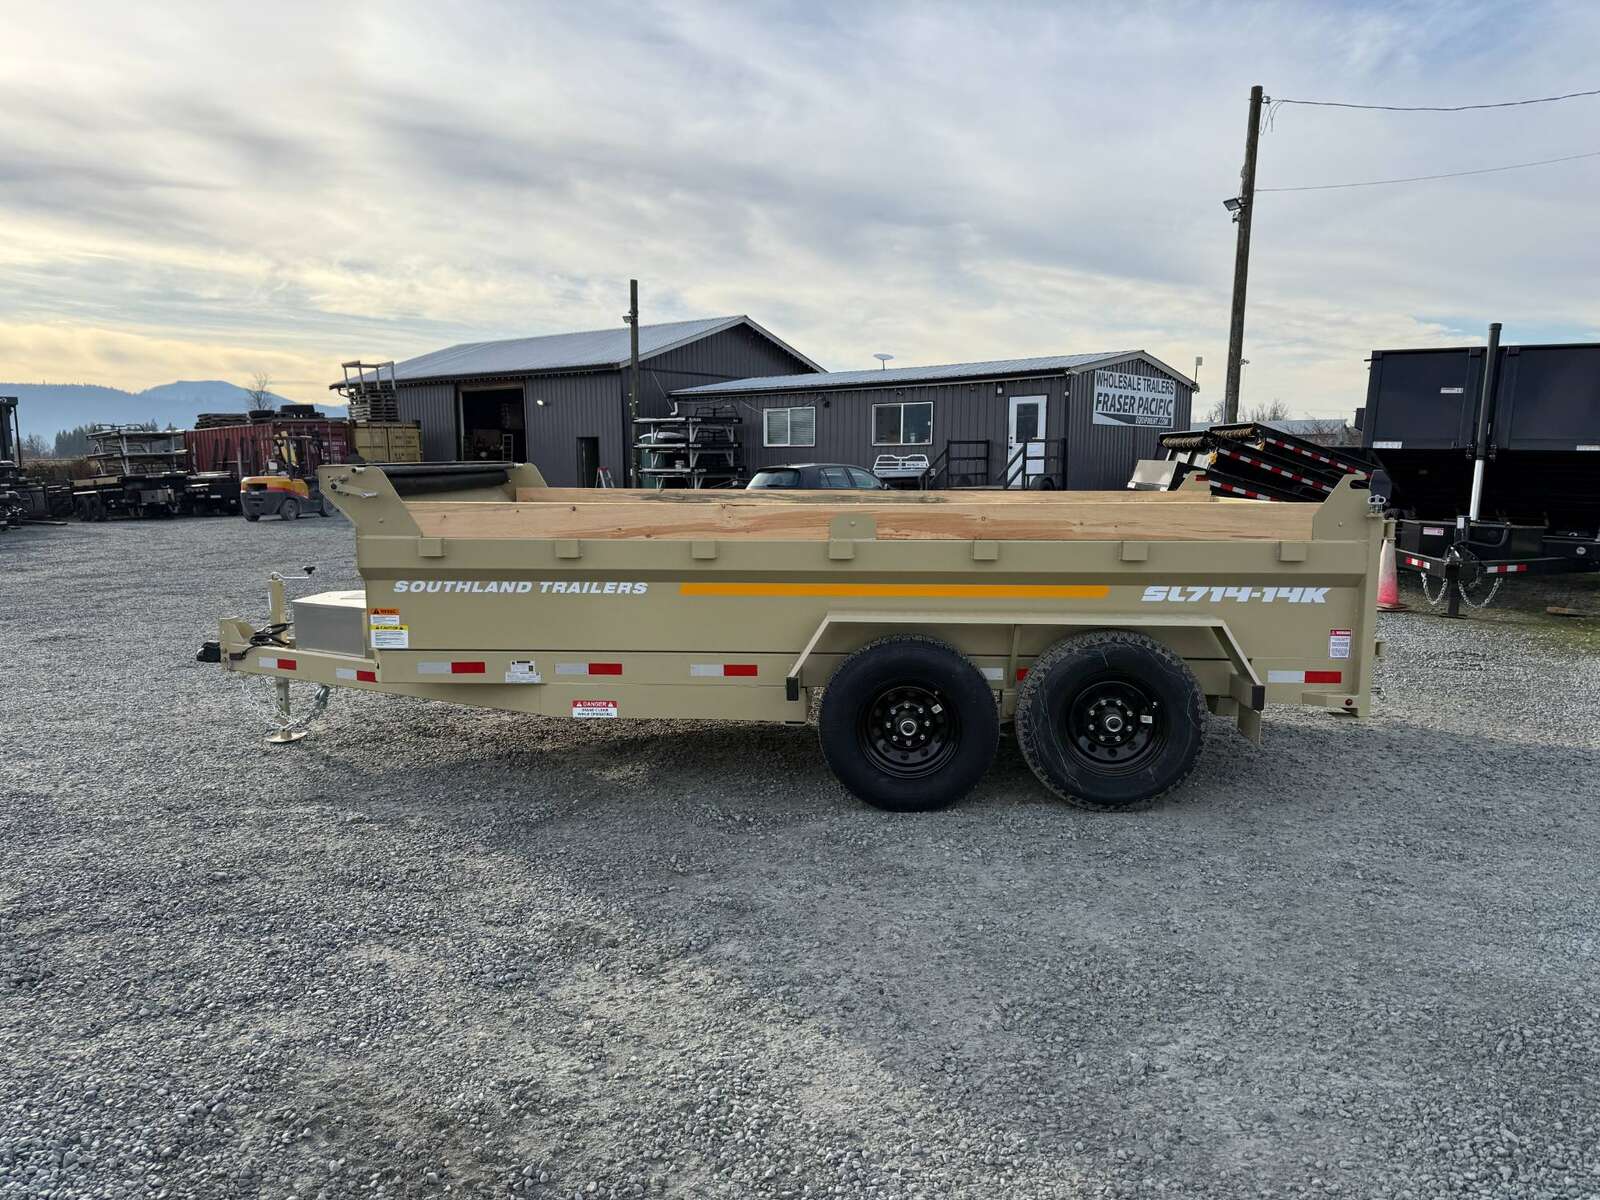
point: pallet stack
(369, 389)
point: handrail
(945, 463)
(1018, 465)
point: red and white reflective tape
(453, 667)
(1494, 569)
(998, 674)
(1304, 453)
(588, 668)
(358, 675)
(277, 664)
(1305, 676)
(722, 670)
(1272, 468)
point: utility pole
(632, 432)
(1243, 206)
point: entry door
(1025, 428)
(588, 461)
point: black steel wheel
(1115, 725)
(1110, 720)
(290, 509)
(908, 724)
(908, 731)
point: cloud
(287, 188)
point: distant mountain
(48, 408)
(205, 392)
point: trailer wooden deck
(617, 514)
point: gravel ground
(439, 951)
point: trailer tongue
(1104, 625)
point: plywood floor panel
(625, 518)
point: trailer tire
(289, 510)
(1081, 720)
(943, 704)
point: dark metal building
(561, 401)
(1069, 421)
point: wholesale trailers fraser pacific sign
(1141, 401)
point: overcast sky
(208, 190)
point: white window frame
(901, 405)
(766, 429)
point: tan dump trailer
(1104, 624)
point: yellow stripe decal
(940, 591)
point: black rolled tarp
(420, 479)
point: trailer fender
(1246, 693)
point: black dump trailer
(13, 503)
(1490, 457)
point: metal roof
(569, 351)
(1300, 426)
(900, 376)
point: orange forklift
(289, 490)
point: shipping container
(244, 450)
(388, 441)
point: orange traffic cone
(1389, 581)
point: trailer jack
(291, 728)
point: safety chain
(255, 688)
(1435, 600)
(1487, 600)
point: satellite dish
(883, 359)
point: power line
(1277, 102)
(1329, 187)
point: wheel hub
(1114, 724)
(1112, 721)
(908, 730)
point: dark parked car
(817, 475)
